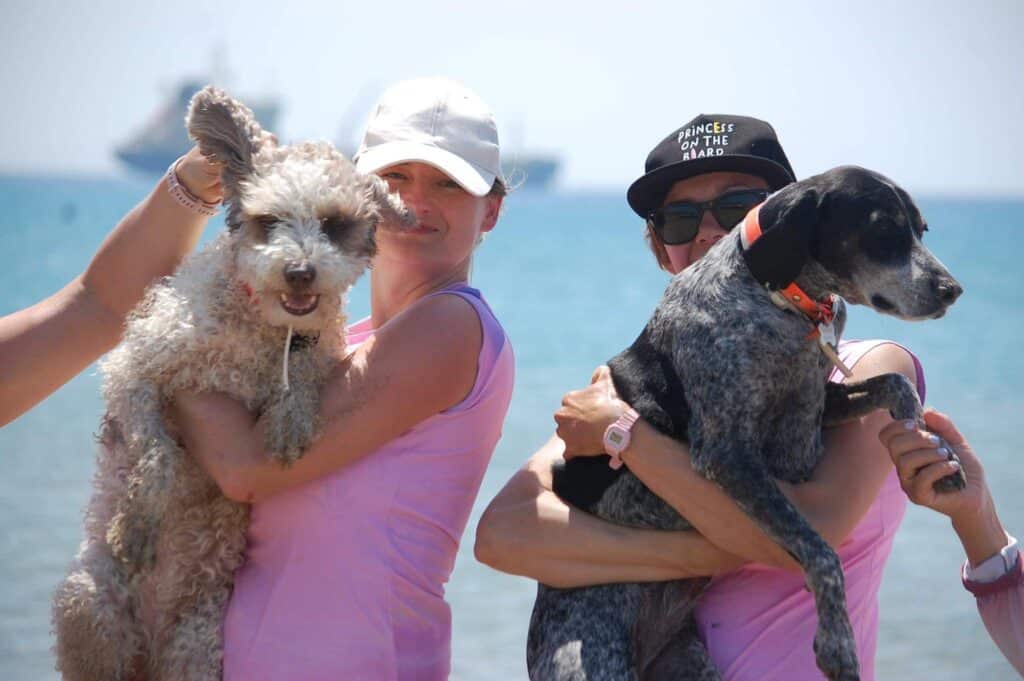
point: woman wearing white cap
(349, 549)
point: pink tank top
(759, 622)
(344, 576)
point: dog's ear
(392, 210)
(227, 132)
(788, 224)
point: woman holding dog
(757, 618)
(349, 548)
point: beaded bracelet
(185, 197)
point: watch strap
(618, 435)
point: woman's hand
(585, 415)
(200, 176)
(920, 461)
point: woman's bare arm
(528, 530)
(420, 363)
(47, 344)
(852, 472)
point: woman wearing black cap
(757, 615)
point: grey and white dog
(723, 368)
(258, 314)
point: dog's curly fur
(721, 367)
(147, 591)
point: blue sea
(572, 281)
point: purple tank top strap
(494, 339)
(852, 351)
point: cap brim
(473, 179)
(648, 192)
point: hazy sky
(929, 93)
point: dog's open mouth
(298, 304)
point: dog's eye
(265, 222)
(334, 227)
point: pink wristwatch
(618, 435)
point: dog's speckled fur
(723, 368)
(148, 588)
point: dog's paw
(283, 445)
(836, 652)
(953, 482)
(288, 455)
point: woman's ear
(494, 203)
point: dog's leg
(582, 634)
(892, 392)
(194, 651)
(665, 638)
(98, 635)
(201, 548)
(133, 530)
(290, 417)
(740, 471)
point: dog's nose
(949, 290)
(299, 273)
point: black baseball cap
(707, 144)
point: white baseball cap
(436, 121)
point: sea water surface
(571, 280)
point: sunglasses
(679, 222)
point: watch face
(616, 438)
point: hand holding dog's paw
(937, 467)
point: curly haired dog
(727, 364)
(258, 314)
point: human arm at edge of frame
(45, 345)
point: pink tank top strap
(853, 351)
(494, 340)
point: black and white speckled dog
(751, 410)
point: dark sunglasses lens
(679, 223)
(733, 207)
